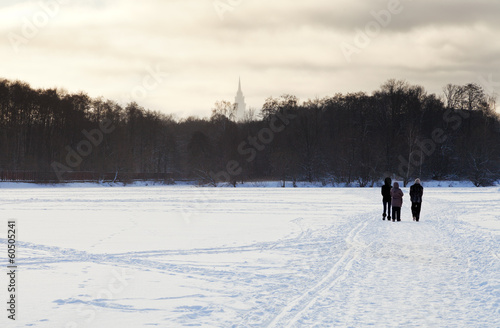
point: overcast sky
(180, 56)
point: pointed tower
(239, 100)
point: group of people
(392, 197)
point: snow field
(179, 256)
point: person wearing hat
(386, 198)
(416, 192)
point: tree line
(399, 130)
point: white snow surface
(182, 256)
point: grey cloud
(349, 15)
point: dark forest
(399, 130)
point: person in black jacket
(416, 192)
(386, 198)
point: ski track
(440, 272)
(291, 313)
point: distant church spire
(240, 102)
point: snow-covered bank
(252, 257)
(251, 184)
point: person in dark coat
(397, 201)
(416, 192)
(386, 198)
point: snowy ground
(179, 256)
